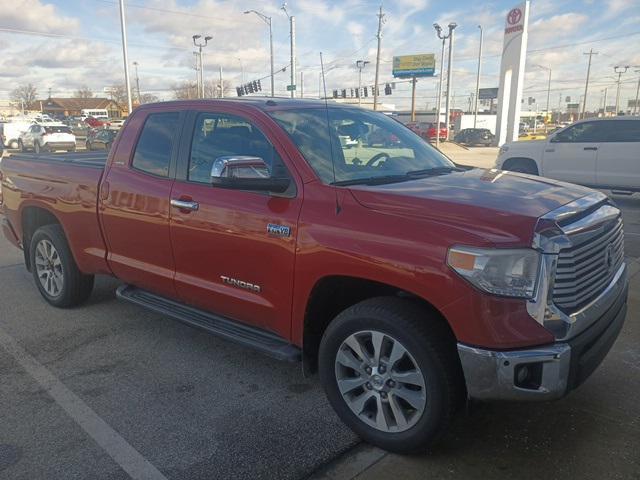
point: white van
(99, 113)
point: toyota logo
(514, 16)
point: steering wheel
(376, 158)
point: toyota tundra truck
(409, 283)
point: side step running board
(258, 339)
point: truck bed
(87, 159)
(67, 186)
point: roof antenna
(326, 109)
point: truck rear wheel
(391, 372)
(54, 269)
(521, 165)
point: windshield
(366, 145)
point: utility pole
(619, 70)
(125, 55)
(301, 84)
(197, 69)
(200, 46)
(475, 109)
(604, 111)
(414, 80)
(379, 36)
(439, 102)
(292, 34)
(452, 27)
(635, 104)
(267, 20)
(221, 84)
(360, 64)
(591, 53)
(135, 64)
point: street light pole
(475, 110)
(439, 102)
(125, 54)
(377, 76)
(267, 20)
(548, 92)
(452, 27)
(619, 70)
(200, 46)
(360, 64)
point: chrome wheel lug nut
(382, 369)
(383, 394)
(368, 385)
(368, 370)
(391, 383)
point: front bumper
(546, 372)
(9, 233)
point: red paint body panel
(396, 234)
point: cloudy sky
(64, 44)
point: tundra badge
(241, 284)
(278, 230)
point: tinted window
(580, 133)
(153, 151)
(620, 131)
(217, 135)
(57, 130)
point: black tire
(88, 145)
(36, 148)
(521, 165)
(427, 340)
(76, 286)
(21, 146)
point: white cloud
(36, 15)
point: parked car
(532, 136)
(47, 138)
(475, 136)
(601, 152)
(427, 130)
(12, 131)
(408, 283)
(116, 122)
(96, 122)
(101, 139)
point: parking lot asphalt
(196, 407)
(193, 405)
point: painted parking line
(129, 459)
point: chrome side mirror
(246, 173)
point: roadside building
(74, 106)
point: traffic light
(344, 93)
(254, 84)
(250, 87)
(387, 89)
(259, 86)
(335, 94)
(366, 92)
(239, 91)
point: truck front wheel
(391, 372)
(54, 269)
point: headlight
(505, 272)
(503, 149)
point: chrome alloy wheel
(380, 381)
(49, 268)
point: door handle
(184, 204)
(591, 148)
(550, 150)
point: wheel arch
(33, 217)
(510, 162)
(332, 294)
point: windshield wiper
(379, 180)
(433, 171)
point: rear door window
(155, 145)
(620, 131)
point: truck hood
(501, 207)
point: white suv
(600, 152)
(48, 138)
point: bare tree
(84, 92)
(118, 94)
(24, 94)
(185, 90)
(212, 88)
(148, 98)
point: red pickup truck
(409, 283)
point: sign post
(414, 66)
(512, 73)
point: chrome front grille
(586, 268)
